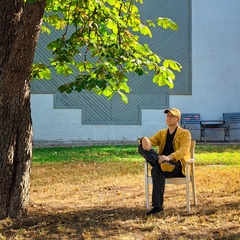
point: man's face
(171, 120)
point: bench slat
(232, 117)
(190, 118)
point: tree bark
(19, 30)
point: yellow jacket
(181, 144)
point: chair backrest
(192, 149)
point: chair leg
(146, 184)
(147, 200)
(188, 178)
(188, 197)
(194, 187)
(194, 193)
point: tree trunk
(19, 30)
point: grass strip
(205, 154)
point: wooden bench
(231, 119)
(192, 121)
(227, 124)
(214, 124)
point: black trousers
(158, 176)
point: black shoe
(154, 211)
(167, 166)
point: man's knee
(140, 149)
(156, 171)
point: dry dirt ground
(107, 201)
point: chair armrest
(191, 160)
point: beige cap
(174, 111)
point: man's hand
(163, 158)
(146, 144)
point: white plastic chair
(189, 179)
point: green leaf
(167, 23)
(108, 92)
(124, 97)
(173, 26)
(175, 65)
(64, 69)
(166, 63)
(45, 29)
(139, 71)
(170, 83)
(170, 74)
(134, 9)
(45, 74)
(41, 71)
(81, 66)
(125, 87)
(155, 58)
(111, 2)
(172, 64)
(113, 26)
(158, 79)
(151, 23)
(145, 30)
(88, 66)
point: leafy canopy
(100, 39)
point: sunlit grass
(218, 154)
(86, 154)
(205, 154)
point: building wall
(215, 85)
(215, 57)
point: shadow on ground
(119, 223)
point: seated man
(174, 145)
